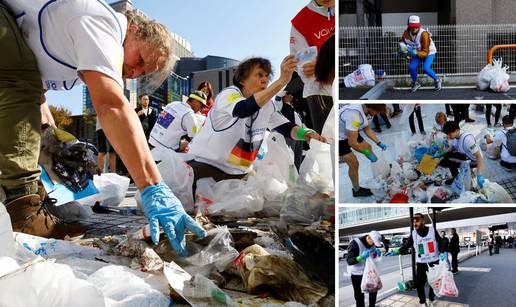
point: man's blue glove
(412, 52)
(443, 256)
(480, 181)
(163, 208)
(382, 146)
(394, 252)
(378, 251)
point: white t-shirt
(502, 138)
(231, 143)
(352, 118)
(175, 121)
(467, 145)
(437, 128)
(70, 36)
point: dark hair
(206, 84)
(378, 107)
(507, 120)
(419, 215)
(325, 65)
(141, 95)
(450, 127)
(244, 69)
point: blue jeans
(427, 62)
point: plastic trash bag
(371, 281)
(440, 194)
(470, 197)
(48, 284)
(232, 197)
(122, 287)
(484, 77)
(495, 193)
(202, 292)
(316, 169)
(500, 79)
(378, 187)
(280, 275)
(305, 205)
(381, 168)
(434, 276)
(363, 76)
(178, 176)
(448, 286)
(112, 190)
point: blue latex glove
(163, 208)
(412, 52)
(394, 252)
(363, 256)
(382, 146)
(443, 256)
(378, 252)
(480, 181)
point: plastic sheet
(112, 190)
(462, 182)
(316, 169)
(381, 168)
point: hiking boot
(438, 85)
(415, 86)
(31, 216)
(362, 192)
(469, 120)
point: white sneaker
(423, 305)
(415, 86)
(432, 303)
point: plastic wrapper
(440, 194)
(112, 190)
(144, 258)
(371, 281)
(470, 197)
(462, 182)
(227, 197)
(202, 292)
(381, 168)
(316, 169)
(305, 205)
(280, 275)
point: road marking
(473, 269)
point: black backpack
(510, 144)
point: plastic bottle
(6, 233)
(370, 155)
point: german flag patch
(244, 153)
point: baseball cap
(376, 237)
(414, 21)
(199, 96)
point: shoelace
(43, 208)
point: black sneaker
(469, 120)
(362, 192)
(377, 130)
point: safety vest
(358, 269)
(416, 43)
(426, 247)
(58, 69)
(170, 125)
(315, 27)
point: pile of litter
(495, 77)
(416, 177)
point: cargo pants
(20, 114)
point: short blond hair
(158, 38)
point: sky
(229, 28)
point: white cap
(376, 237)
(414, 21)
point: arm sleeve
(190, 124)
(353, 251)
(440, 242)
(406, 246)
(425, 46)
(285, 129)
(99, 47)
(245, 108)
(277, 119)
(352, 120)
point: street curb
(376, 91)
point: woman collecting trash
(352, 119)
(417, 44)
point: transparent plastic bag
(371, 281)
(435, 274)
(484, 77)
(6, 233)
(112, 190)
(495, 193)
(227, 197)
(500, 78)
(316, 169)
(448, 286)
(462, 182)
(363, 76)
(381, 168)
(202, 292)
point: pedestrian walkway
(396, 139)
(403, 300)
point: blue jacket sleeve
(245, 108)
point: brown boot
(29, 215)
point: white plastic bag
(49, 284)
(371, 281)
(363, 76)
(381, 168)
(232, 197)
(179, 176)
(448, 286)
(112, 190)
(434, 276)
(462, 182)
(484, 77)
(500, 79)
(316, 169)
(495, 193)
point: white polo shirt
(70, 36)
(467, 145)
(505, 155)
(352, 118)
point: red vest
(315, 27)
